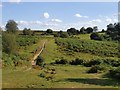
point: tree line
(9, 36)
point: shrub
(40, 61)
(95, 69)
(114, 63)
(62, 61)
(42, 75)
(115, 73)
(9, 43)
(95, 36)
(96, 48)
(92, 62)
(77, 61)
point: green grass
(67, 76)
(83, 36)
(52, 52)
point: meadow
(66, 76)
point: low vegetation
(93, 47)
(72, 59)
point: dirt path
(37, 53)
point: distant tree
(27, 31)
(61, 34)
(11, 26)
(82, 30)
(73, 31)
(49, 31)
(89, 30)
(95, 28)
(64, 35)
(103, 31)
(113, 30)
(110, 29)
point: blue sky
(60, 15)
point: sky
(60, 15)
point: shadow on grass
(95, 81)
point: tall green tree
(49, 31)
(11, 26)
(89, 30)
(72, 31)
(95, 28)
(82, 30)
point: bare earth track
(37, 53)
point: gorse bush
(95, 36)
(88, 63)
(92, 47)
(61, 61)
(27, 40)
(40, 61)
(92, 62)
(77, 61)
(114, 63)
(115, 73)
(9, 43)
(96, 69)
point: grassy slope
(52, 53)
(66, 77)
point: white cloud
(21, 22)
(109, 20)
(85, 16)
(115, 20)
(56, 20)
(39, 24)
(15, 1)
(80, 16)
(48, 24)
(46, 15)
(96, 21)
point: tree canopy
(11, 26)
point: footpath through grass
(67, 76)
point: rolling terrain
(66, 75)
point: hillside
(66, 75)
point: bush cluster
(27, 40)
(115, 73)
(92, 62)
(92, 47)
(77, 61)
(61, 61)
(96, 69)
(114, 63)
(89, 63)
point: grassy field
(67, 76)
